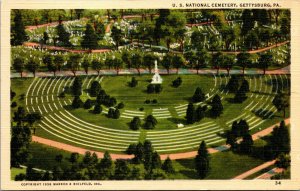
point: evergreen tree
(199, 113)
(190, 114)
(76, 103)
(58, 61)
(97, 109)
(135, 123)
(198, 95)
(89, 40)
(88, 104)
(74, 63)
(116, 34)
(111, 112)
(150, 122)
(247, 143)
(243, 60)
(168, 166)
(77, 87)
(63, 35)
(202, 161)
(116, 114)
(233, 84)
(18, 30)
(45, 37)
(281, 102)
(131, 149)
(216, 106)
(95, 88)
(280, 139)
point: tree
(90, 39)
(58, 61)
(167, 61)
(281, 102)
(228, 35)
(133, 82)
(122, 170)
(118, 63)
(283, 161)
(280, 139)
(265, 60)
(48, 60)
(85, 64)
(32, 66)
(137, 61)
(190, 114)
(227, 62)
(19, 65)
(149, 61)
(243, 60)
(105, 167)
(285, 27)
(97, 109)
(59, 158)
(150, 122)
(45, 37)
(76, 103)
(251, 40)
(126, 59)
(116, 114)
(178, 61)
(116, 34)
(202, 59)
(95, 88)
(97, 65)
(18, 30)
(177, 82)
(63, 35)
(79, 12)
(74, 63)
(231, 140)
(88, 104)
(247, 143)
(216, 106)
(199, 113)
(247, 20)
(217, 60)
(233, 84)
(131, 149)
(155, 161)
(198, 95)
(168, 166)
(74, 158)
(197, 40)
(77, 87)
(135, 123)
(202, 161)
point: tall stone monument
(156, 79)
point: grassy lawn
(15, 171)
(43, 157)
(224, 165)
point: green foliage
(135, 123)
(97, 109)
(283, 161)
(120, 105)
(85, 64)
(154, 88)
(216, 106)
(32, 66)
(177, 82)
(280, 139)
(77, 87)
(19, 65)
(63, 35)
(202, 161)
(95, 88)
(89, 40)
(77, 102)
(190, 114)
(74, 63)
(198, 95)
(150, 122)
(168, 166)
(88, 104)
(281, 102)
(97, 65)
(122, 170)
(18, 30)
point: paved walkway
(191, 154)
(270, 173)
(254, 170)
(285, 70)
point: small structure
(156, 79)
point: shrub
(121, 105)
(176, 83)
(62, 95)
(87, 104)
(13, 104)
(147, 101)
(97, 109)
(141, 109)
(133, 82)
(135, 123)
(77, 103)
(154, 101)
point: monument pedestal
(156, 79)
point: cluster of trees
(154, 88)
(195, 114)
(240, 129)
(240, 86)
(145, 154)
(281, 101)
(22, 125)
(136, 123)
(198, 96)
